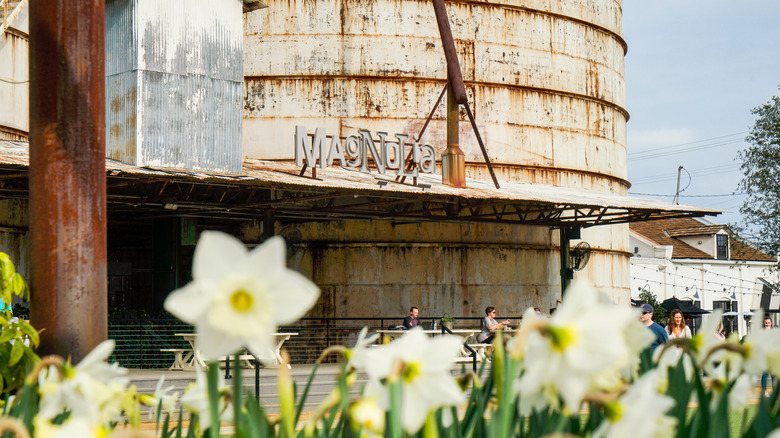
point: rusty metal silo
(546, 84)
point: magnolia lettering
(354, 152)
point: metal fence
(139, 341)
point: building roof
(705, 230)
(339, 193)
(667, 231)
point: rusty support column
(67, 175)
(453, 162)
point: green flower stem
(286, 398)
(430, 428)
(499, 360)
(212, 379)
(237, 392)
(394, 420)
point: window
(723, 246)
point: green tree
(659, 313)
(761, 167)
(18, 339)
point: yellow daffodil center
(613, 411)
(748, 350)
(241, 300)
(411, 371)
(696, 343)
(242, 307)
(561, 337)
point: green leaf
(16, 352)
(7, 335)
(305, 394)
(18, 285)
(6, 267)
(256, 419)
(30, 331)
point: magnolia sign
(387, 154)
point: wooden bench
(182, 357)
(245, 360)
(481, 350)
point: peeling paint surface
(545, 80)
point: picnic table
(468, 335)
(189, 358)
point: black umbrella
(686, 307)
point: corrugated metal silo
(14, 72)
(546, 84)
(174, 73)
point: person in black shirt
(412, 320)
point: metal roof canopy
(338, 193)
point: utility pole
(677, 192)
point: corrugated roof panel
(284, 174)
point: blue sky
(694, 70)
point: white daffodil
(741, 393)
(573, 354)
(425, 376)
(760, 347)
(357, 354)
(238, 298)
(640, 412)
(92, 390)
(196, 400)
(367, 416)
(75, 427)
(163, 398)
(705, 339)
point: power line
(665, 150)
(681, 151)
(693, 142)
(705, 171)
(705, 281)
(688, 196)
(661, 283)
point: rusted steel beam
(482, 147)
(68, 175)
(454, 75)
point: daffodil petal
(298, 296)
(269, 258)
(216, 254)
(213, 346)
(412, 415)
(188, 303)
(263, 349)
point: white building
(697, 260)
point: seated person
(412, 320)
(489, 326)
